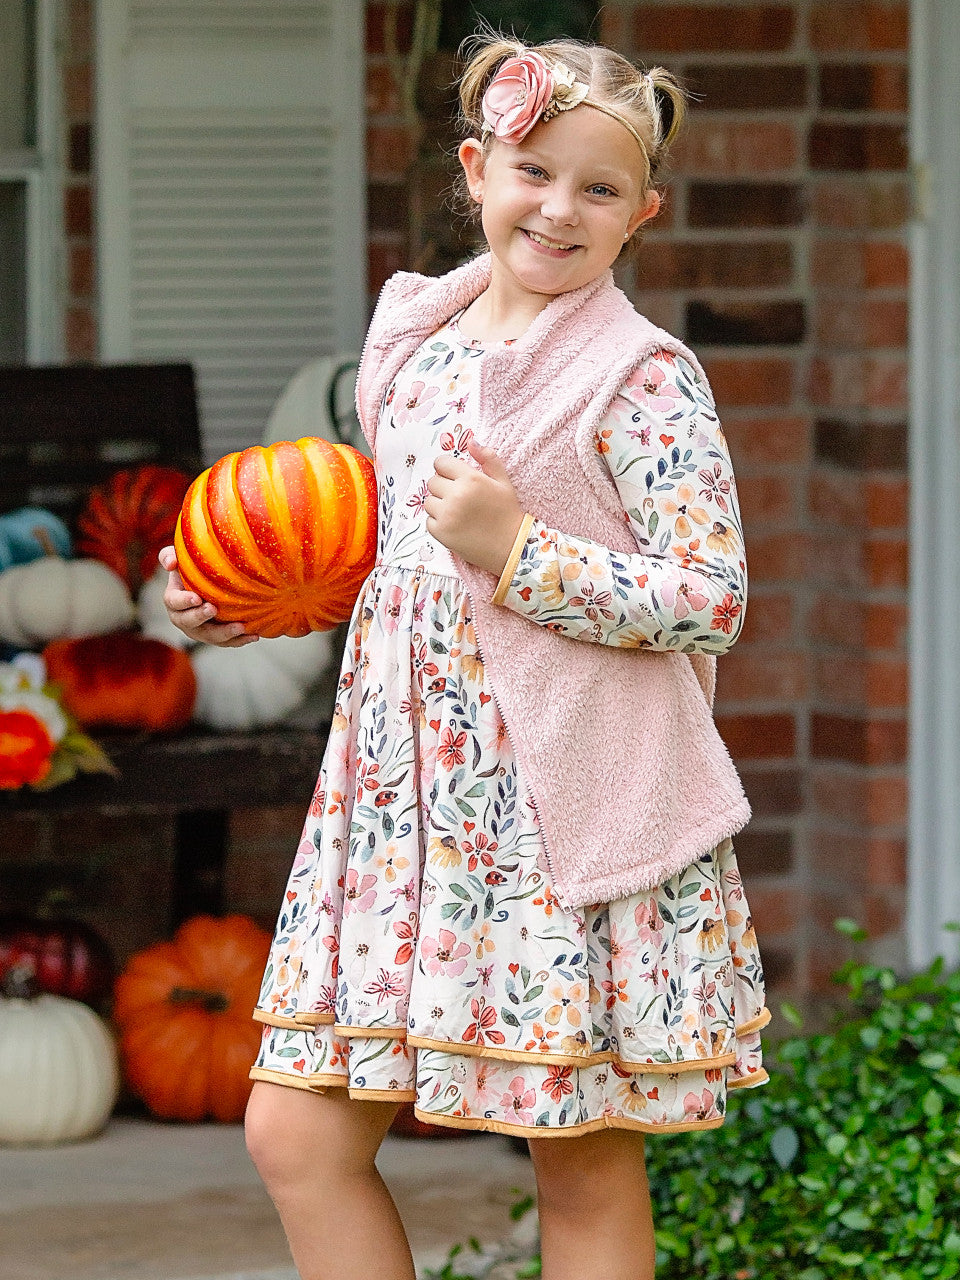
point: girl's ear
(647, 209)
(471, 157)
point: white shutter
(231, 185)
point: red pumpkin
(69, 958)
(129, 518)
(124, 680)
(183, 1008)
(281, 538)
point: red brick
(887, 862)
(767, 499)
(780, 323)
(776, 911)
(843, 855)
(863, 86)
(747, 86)
(837, 620)
(886, 382)
(861, 445)
(81, 273)
(836, 498)
(773, 793)
(886, 682)
(861, 321)
(80, 28)
(884, 914)
(836, 558)
(839, 679)
(78, 211)
(887, 503)
(759, 737)
(78, 90)
(745, 204)
(764, 853)
(848, 796)
(685, 28)
(762, 441)
(868, 26)
(751, 381)
(857, 146)
(886, 265)
(698, 265)
(887, 562)
(885, 626)
(747, 675)
(389, 151)
(81, 333)
(851, 381)
(777, 558)
(769, 617)
(733, 149)
(873, 201)
(858, 739)
(377, 21)
(383, 97)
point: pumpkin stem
(20, 981)
(211, 1001)
(42, 536)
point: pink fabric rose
(517, 95)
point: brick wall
(783, 261)
(781, 257)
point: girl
(515, 901)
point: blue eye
(533, 170)
(603, 189)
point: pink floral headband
(526, 89)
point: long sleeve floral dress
(420, 952)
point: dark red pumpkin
(124, 680)
(69, 958)
(130, 517)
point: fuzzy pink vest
(629, 775)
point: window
(29, 324)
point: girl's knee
(576, 1174)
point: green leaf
(850, 929)
(784, 1145)
(790, 1013)
(856, 1220)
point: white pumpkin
(54, 599)
(59, 1075)
(258, 684)
(152, 613)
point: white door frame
(933, 885)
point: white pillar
(933, 891)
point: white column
(934, 829)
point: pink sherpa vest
(629, 775)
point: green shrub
(845, 1166)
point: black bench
(62, 431)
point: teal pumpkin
(29, 533)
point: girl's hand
(196, 618)
(475, 513)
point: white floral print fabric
(420, 953)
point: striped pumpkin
(281, 538)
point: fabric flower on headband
(526, 90)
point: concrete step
(152, 1201)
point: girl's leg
(594, 1204)
(315, 1153)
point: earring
(626, 237)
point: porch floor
(153, 1201)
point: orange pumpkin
(128, 519)
(187, 1040)
(124, 680)
(281, 538)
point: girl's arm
(685, 586)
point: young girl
(515, 901)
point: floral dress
(420, 952)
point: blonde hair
(652, 101)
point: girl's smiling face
(557, 207)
